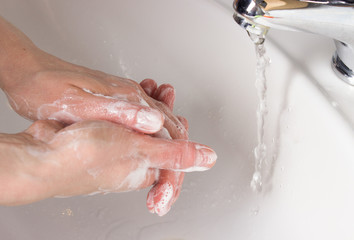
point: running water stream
(260, 151)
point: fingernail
(149, 120)
(206, 157)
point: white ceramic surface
(197, 47)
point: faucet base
(342, 71)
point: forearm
(21, 172)
(16, 54)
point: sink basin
(308, 189)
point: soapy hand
(40, 86)
(69, 93)
(45, 87)
(82, 93)
(89, 157)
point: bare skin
(170, 183)
(49, 160)
(40, 86)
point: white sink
(196, 46)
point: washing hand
(41, 86)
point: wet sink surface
(197, 47)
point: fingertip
(166, 94)
(206, 157)
(149, 120)
(149, 86)
(160, 198)
(202, 158)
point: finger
(166, 94)
(149, 86)
(166, 191)
(184, 121)
(172, 124)
(94, 107)
(162, 196)
(178, 155)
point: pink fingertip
(148, 89)
(206, 157)
(149, 120)
(163, 206)
(160, 199)
(167, 95)
(149, 86)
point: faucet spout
(246, 12)
(331, 18)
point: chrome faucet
(331, 18)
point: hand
(41, 86)
(69, 93)
(87, 157)
(50, 88)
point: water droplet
(255, 211)
(256, 183)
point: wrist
(17, 55)
(17, 65)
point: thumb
(95, 107)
